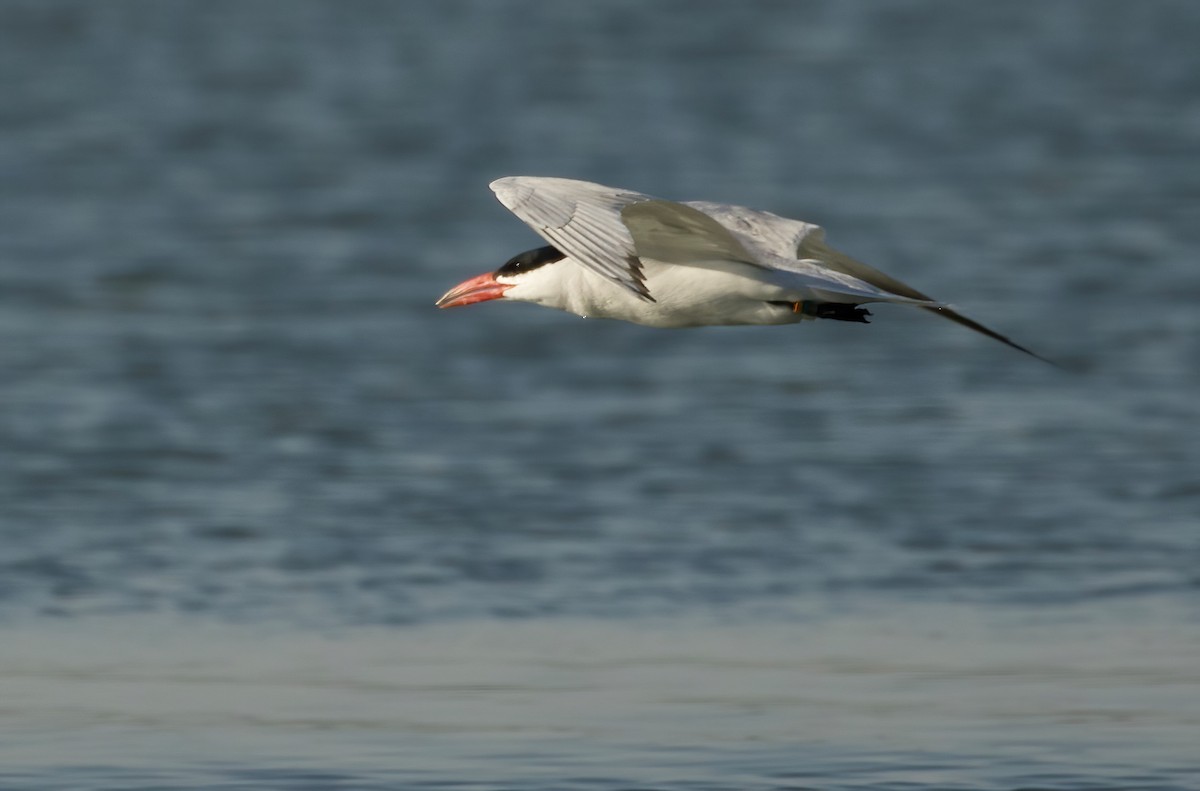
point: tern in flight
(617, 254)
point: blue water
(270, 520)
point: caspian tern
(617, 254)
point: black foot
(842, 312)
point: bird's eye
(530, 260)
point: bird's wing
(813, 245)
(675, 233)
(683, 234)
(778, 235)
(789, 238)
(581, 219)
(792, 238)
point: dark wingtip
(958, 318)
(639, 278)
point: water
(271, 521)
(916, 697)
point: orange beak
(477, 289)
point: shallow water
(272, 521)
(924, 696)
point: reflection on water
(932, 695)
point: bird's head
(524, 278)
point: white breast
(684, 297)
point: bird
(618, 254)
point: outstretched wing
(792, 238)
(581, 219)
(813, 245)
(682, 234)
(777, 235)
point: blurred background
(268, 519)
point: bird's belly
(693, 297)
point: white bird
(617, 254)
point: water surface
(270, 520)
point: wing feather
(676, 233)
(797, 239)
(581, 219)
(683, 234)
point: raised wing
(581, 219)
